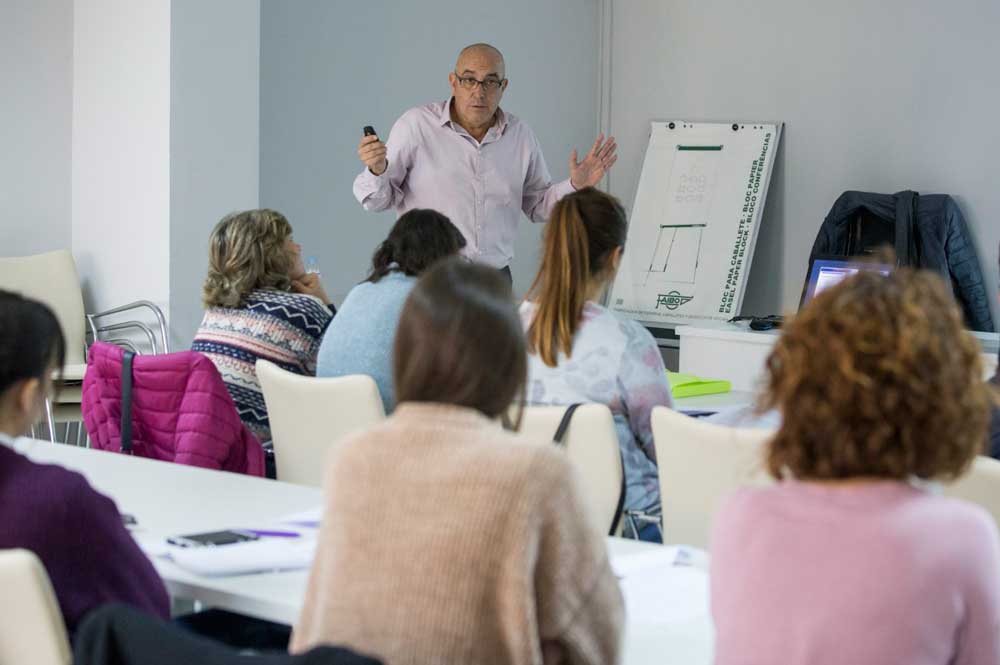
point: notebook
(689, 385)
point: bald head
(476, 56)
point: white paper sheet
(253, 557)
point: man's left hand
(596, 163)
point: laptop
(825, 271)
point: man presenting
(472, 161)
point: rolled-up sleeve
(376, 193)
(539, 194)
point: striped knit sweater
(284, 328)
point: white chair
(308, 415)
(592, 446)
(51, 278)
(31, 626)
(700, 464)
(981, 485)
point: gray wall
(329, 68)
(214, 147)
(36, 116)
(877, 96)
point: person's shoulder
(747, 500)
(395, 281)
(614, 328)
(961, 518)
(285, 304)
(739, 511)
(422, 114)
(634, 332)
(67, 498)
(542, 463)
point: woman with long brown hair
(849, 557)
(580, 351)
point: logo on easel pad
(672, 300)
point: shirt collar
(445, 118)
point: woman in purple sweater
(851, 557)
(76, 532)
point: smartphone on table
(213, 538)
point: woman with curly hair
(851, 557)
(260, 303)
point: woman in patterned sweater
(260, 303)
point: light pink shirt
(482, 187)
(871, 574)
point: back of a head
(247, 251)
(459, 340)
(31, 341)
(585, 229)
(877, 378)
(419, 239)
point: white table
(668, 619)
(734, 352)
(720, 402)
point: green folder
(689, 385)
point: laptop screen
(824, 273)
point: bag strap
(620, 510)
(560, 434)
(126, 428)
(558, 439)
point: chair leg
(50, 420)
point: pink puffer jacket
(181, 411)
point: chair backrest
(181, 411)
(308, 415)
(31, 626)
(592, 446)
(980, 485)
(52, 279)
(699, 465)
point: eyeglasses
(470, 83)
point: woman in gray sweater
(359, 339)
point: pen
(274, 534)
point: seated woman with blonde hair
(260, 304)
(582, 351)
(850, 557)
(444, 538)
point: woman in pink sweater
(850, 557)
(445, 538)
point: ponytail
(583, 231)
(559, 288)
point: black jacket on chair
(120, 635)
(927, 232)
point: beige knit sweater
(446, 540)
